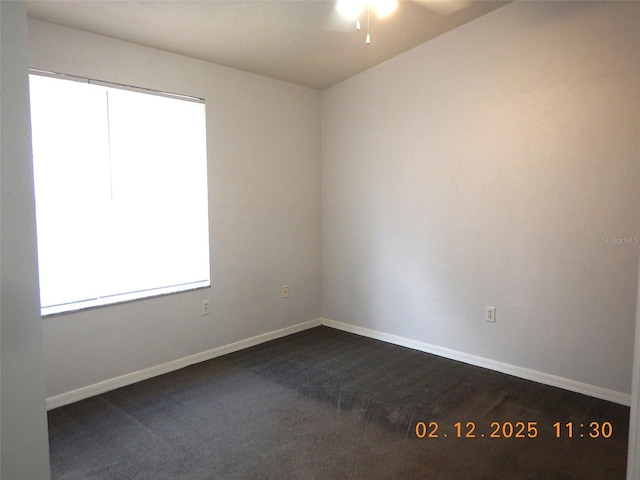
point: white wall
(484, 168)
(23, 425)
(264, 180)
(633, 452)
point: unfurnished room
(320, 239)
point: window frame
(142, 294)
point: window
(121, 193)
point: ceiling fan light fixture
(350, 9)
(383, 8)
(353, 9)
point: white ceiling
(298, 41)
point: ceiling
(299, 41)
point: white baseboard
(525, 373)
(130, 378)
(540, 377)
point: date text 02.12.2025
(514, 430)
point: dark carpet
(325, 404)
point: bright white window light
(121, 193)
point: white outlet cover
(490, 315)
(206, 309)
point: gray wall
(264, 186)
(486, 167)
(23, 428)
(633, 453)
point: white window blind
(121, 193)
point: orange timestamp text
(519, 429)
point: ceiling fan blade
(443, 7)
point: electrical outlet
(285, 291)
(205, 308)
(490, 315)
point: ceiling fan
(348, 14)
(444, 7)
